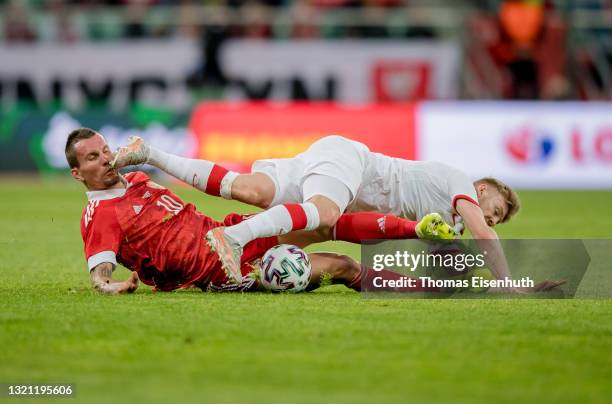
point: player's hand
(129, 285)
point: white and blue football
(285, 268)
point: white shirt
(412, 189)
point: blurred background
(518, 89)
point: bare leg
(328, 216)
(255, 189)
(339, 269)
(304, 238)
(329, 212)
(318, 212)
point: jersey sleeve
(460, 187)
(102, 237)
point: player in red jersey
(151, 231)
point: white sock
(275, 221)
(196, 173)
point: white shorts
(333, 156)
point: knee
(252, 190)
(328, 211)
(328, 219)
(259, 196)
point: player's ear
(481, 189)
(76, 174)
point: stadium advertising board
(544, 145)
(115, 74)
(238, 134)
(355, 71)
(35, 140)
(529, 145)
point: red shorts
(251, 257)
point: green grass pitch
(328, 346)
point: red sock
(297, 214)
(213, 184)
(365, 281)
(355, 227)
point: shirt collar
(105, 194)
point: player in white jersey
(375, 182)
(311, 191)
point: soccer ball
(285, 267)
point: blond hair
(511, 197)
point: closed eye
(498, 212)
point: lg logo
(529, 145)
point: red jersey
(150, 230)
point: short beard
(112, 180)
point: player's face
(94, 157)
(493, 205)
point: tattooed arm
(102, 281)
